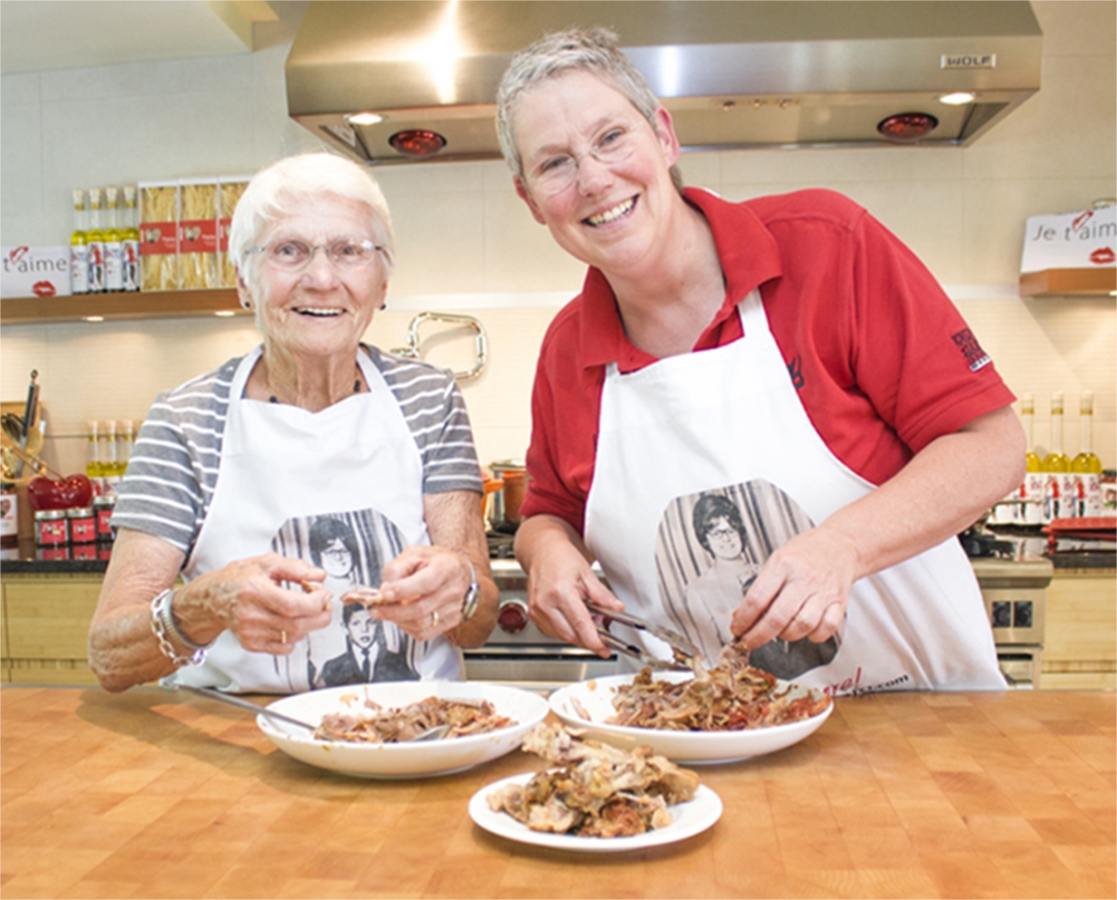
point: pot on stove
(507, 500)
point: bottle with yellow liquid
(114, 249)
(95, 238)
(1086, 466)
(130, 241)
(94, 470)
(1034, 484)
(79, 248)
(1060, 489)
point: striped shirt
(172, 474)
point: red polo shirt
(882, 360)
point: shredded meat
(594, 789)
(732, 696)
(384, 726)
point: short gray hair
(592, 50)
(280, 188)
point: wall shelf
(120, 306)
(1069, 283)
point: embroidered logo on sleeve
(976, 358)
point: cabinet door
(1080, 645)
(47, 626)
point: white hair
(282, 187)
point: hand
(423, 589)
(559, 583)
(248, 597)
(801, 591)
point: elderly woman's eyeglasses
(556, 173)
(292, 256)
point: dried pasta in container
(197, 233)
(158, 236)
(230, 190)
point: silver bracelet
(165, 630)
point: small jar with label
(9, 514)
(83, 527)
(52, 528)
(83, 551)
(102, 511)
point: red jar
(102, 511)
(83, 527)
(52, 528)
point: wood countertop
(154, 794)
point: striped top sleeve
(172, 474)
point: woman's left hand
(423, 589)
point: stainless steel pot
(506, 501)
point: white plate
(407, 760)
(684, 747)
(690, 819)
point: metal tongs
(685, 653)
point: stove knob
(512, 617)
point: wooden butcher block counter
(154, 794)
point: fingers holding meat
(263, 601)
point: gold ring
(434, 620)
(283, 637)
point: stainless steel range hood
(733, 74)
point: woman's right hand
(249, 597)
(560, 580)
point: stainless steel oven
(1015, 594)
(518, 653)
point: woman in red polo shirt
(787, 354)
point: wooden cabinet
(45, 627)
(1080, 647)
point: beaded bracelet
(165, 630)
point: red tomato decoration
(43, 493)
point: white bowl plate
(595, 697)
(690, 819)
(406, 760)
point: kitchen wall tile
(817, 167)
(21, 154)
(88, 85)
(701, 169)
(1076, 27)
(436, 178)
(520, 254)
(30, 230)
(20, 88)
(441, 253)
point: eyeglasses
(722, 532)
(293, 255)
(556, 173)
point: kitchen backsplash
(467, 242)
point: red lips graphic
(18, 253)
(1103, 256)
(43, 289)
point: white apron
(288, 476)
(727, 421)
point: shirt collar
(749, 257)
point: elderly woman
(790, 341)
(313, 443)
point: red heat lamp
(417, 142)
(907, 127)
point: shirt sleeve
(912, 352)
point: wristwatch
(472, 596)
